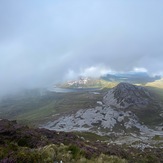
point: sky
(44, 42)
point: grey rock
(126, 95)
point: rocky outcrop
(125, 109)
(102, 120)
(126, 95)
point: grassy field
(34, 108)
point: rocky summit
(126, 95)
(137, 99)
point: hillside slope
(157, 83)
(21, 144)
(125, 109)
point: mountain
(87, 82)
(142, 102)
(111, 80)
(131, 77)
(126, 95)
(125, 109)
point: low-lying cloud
(44, 42)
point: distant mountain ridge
(111, 80)
(87, 82)
(131, 77)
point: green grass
(157, 91)
(152, 112)
(92, 136)
(53, 153)
(35, 109)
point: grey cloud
(42, 41)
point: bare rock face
(98, 119)
(126, 95)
